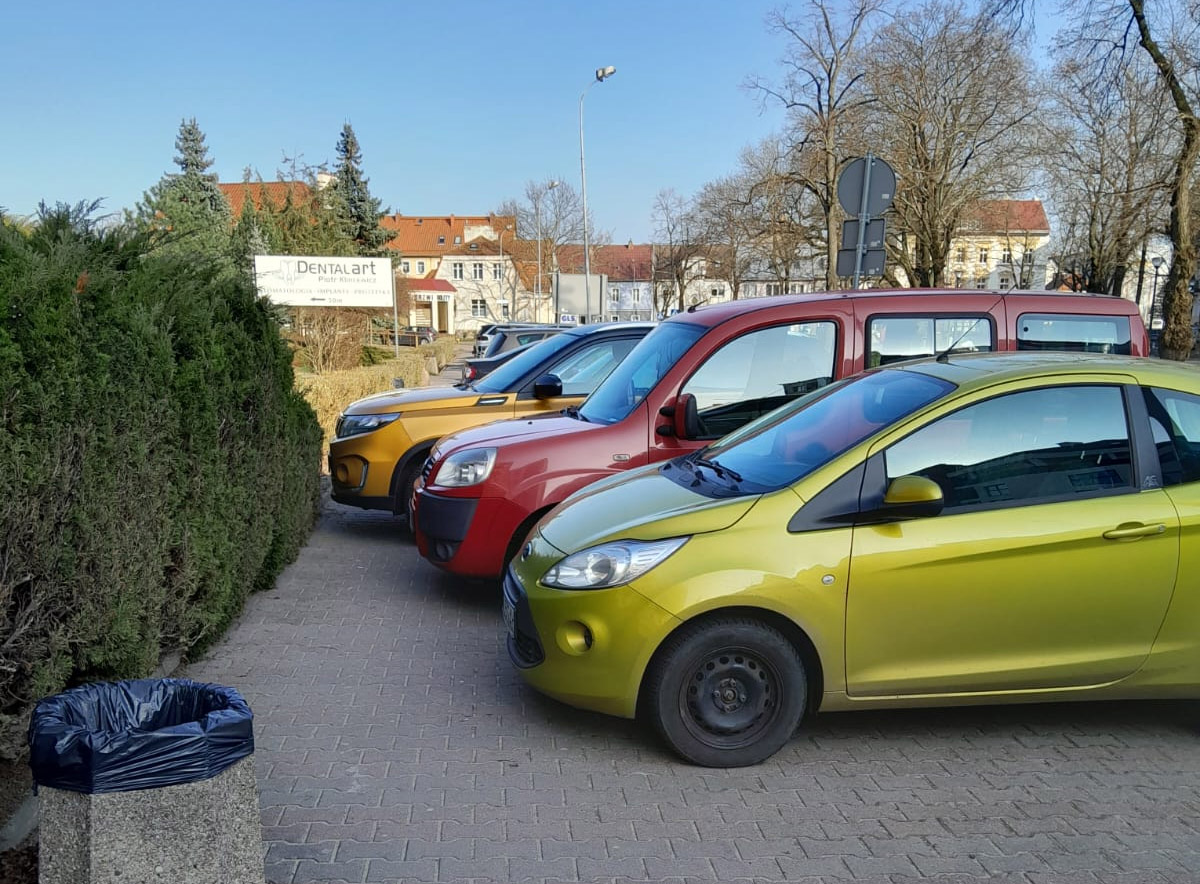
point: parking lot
(396, 743)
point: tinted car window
(1091, 334)
(1175, 420)
(582, 371)
(1036, 445)
(760, 371)
(792, 441)
(896, 338)
(509, 375)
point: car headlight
(465, 468)
(353, 424)
(610, 564)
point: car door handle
(1126, 531)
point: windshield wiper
(573, 411)
(723, 472)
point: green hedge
(156, 464)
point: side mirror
(685, 420)
(548, 386)
(911, 497)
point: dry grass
(331, 392)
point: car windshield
(508, 376)
(638, 372)
(782, 447)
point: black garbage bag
(128, 735)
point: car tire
(404, 487)
(728, 692)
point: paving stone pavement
(395, 743)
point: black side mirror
(548, 386)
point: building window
(457, 269)
(477, 271)
(504, 311)
(497, 271)
(750, 290)
(458, 240)
(1027, 258)
(614, 294)
(420, 267)
(1005, 281)
(983, 258)
(774, 288)
(1006, 256)
(981, 282)
(635, 317)
(404, 266)
(961, 256)
(478, 307)
(614, 318)
(441, 240)
(795, 288)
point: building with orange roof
(1001, 244)
(272, 193)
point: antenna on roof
(944, 356)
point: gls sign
(311, 281)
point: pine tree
(186, 209)
(360, 210)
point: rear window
(897, 338)
(1064, 331)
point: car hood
(643, 505)
(421, 397)
(514, 429)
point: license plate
(510, 617)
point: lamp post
(602, 74)
(501, 266)
(537, 211)
(1157, 261)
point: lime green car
(978, 529)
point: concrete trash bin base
(195, 833)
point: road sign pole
(395, 312)
(862, 220)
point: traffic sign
(866, 187)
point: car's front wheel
(727, 692)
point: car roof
(580, 331)
(970, 370)
(711, 315)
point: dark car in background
(475, 368)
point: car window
(1175, 420)
(1060, 331)
(1037, 445)
(896, 338)
(620, 393)
(790, 442)
(582, 371)
(511, 374)
(759, 371)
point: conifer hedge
(156, 465)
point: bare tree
(822, 90)
(789, 219)
(724, 214)
(1108, 175)
(1113, 31)
(679, 252)
(955, 100)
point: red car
(704, 373)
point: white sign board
(304, 281)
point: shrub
(156, 464)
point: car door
(1048, 567)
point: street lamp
(501, 267)
(602, 74)
(537, 211)
(1157, 261)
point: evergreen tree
(186, 209)
(249, 236)
(360, 211)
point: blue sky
(456, 105)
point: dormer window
(458, 240)
(474, 246)
(441, 240)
